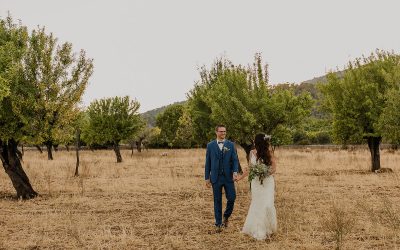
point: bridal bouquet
(259, 170)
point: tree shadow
(13, 196)
(7, 196)
(331, 172)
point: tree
(184, 137)
(314, 130)
(15, 104)
(149, 134)
(153, 140)
(362, 101)
(168, 122)
(61, 79)
(78, 125)
(282, 136)
(389, 123)
(141, 139)
(21, 115)
(241, 98)
(112, 120)
(199, 107)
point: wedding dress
(261, 218)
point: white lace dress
(261, 219)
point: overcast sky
(151, 50)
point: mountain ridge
(150, 115)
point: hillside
(322, 78)
(150, 116)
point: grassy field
(323, 199)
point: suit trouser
(230, 194)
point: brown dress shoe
(225, 222)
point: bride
(261, 219)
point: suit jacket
(215, 160)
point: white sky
(150, 50)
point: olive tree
(111, 120)
(241, 98)
(21, 109)
(363, 102)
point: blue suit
(219, 168)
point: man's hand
(208, 183)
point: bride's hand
(243, 175)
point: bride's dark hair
(262, 146)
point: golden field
(324, 199)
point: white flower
(225, 149)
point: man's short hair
(219, 126)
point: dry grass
(160, 202)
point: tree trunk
(49, 145)
(39, 148)
(19, 154)
(67, 147)
(139, 145)
(55, 147)
(373, 144)
(117, 152)
(247, 148)
(14, 170)
(78, 138)
(131, 150)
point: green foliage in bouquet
(259, 170)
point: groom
(221, 169)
